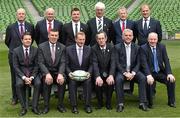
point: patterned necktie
(50, 27)
(21, 30)
(155, 60)
(80, 55)
(123, 26)
(99, 25)
(53, 52)
(103, 51)
(76, 29)
(27, 72)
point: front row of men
(109, 65)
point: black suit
(41, 33)
(47, 66)
(103, 66)
(134, 66)
(164, 69)
(13, 40)
(72, 64)
(20, 69)
(154, 26)
(118, 31)
(92, 30)
(68, 34)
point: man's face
(99, 12)
(21, 15)
(50, 15)
(53, 36)
(145, 11)
(153, 39)
(128, 37)
(80, 40)
(101, 40)
(75, 16)
(27, 40)
(123, 14)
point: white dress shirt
(147, 22)
(74, 27)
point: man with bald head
(13, 39)
(44, 26)
(99, 23)
(156, 67)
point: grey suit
(20, 69)
(13, 40)
(47, 66)
(134, 66)
(72, 64)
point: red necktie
(49, 28)
(123, 26)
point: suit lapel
(17, 30)
(74, 52)
(58, 52)
(132, 53)
(94, 24)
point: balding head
(21, 15)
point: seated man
(26, 68)
(104, 69)
(127, 62)
(156, 67)
(51, 59)
(78, 57)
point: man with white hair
(156, 67)
(99, 23)
(44, 26)
(13, 39)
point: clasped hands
(49, 79)
(109, 80)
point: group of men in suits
(62, 49)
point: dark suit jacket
(19, 61)
(92, 30)
(118, 32)
(41, 33)
(154, 26)
(13, 37)
(68, 37)
(121, 57)
(103, 62)
(45, 61)
(72, 62)
(147, 59)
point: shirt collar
(102, 47)
(77, 47)
(99, 18)
(24, 48)
(52, 22)
(20, 23)
(127, 45)
(52, 44)
(148, 19)
(76, 23)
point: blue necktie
(155, 60)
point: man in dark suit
(156, 67)
(14, 33)
(78, 57)
(99, 23)
(51, 59)
(70, 29)
(146, 25)
(44, 26)
(26, 68)
(122, 24)
(104, 69)
(127, 57)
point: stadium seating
(8, 10)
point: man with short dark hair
(27, 73)
(51, 59)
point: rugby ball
(79, 75)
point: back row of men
(108, 69)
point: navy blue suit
(164, 69)
(41, 33)
(154, 26)
(121, 68)
(12, 41)
(118, 31)
(72, 64)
